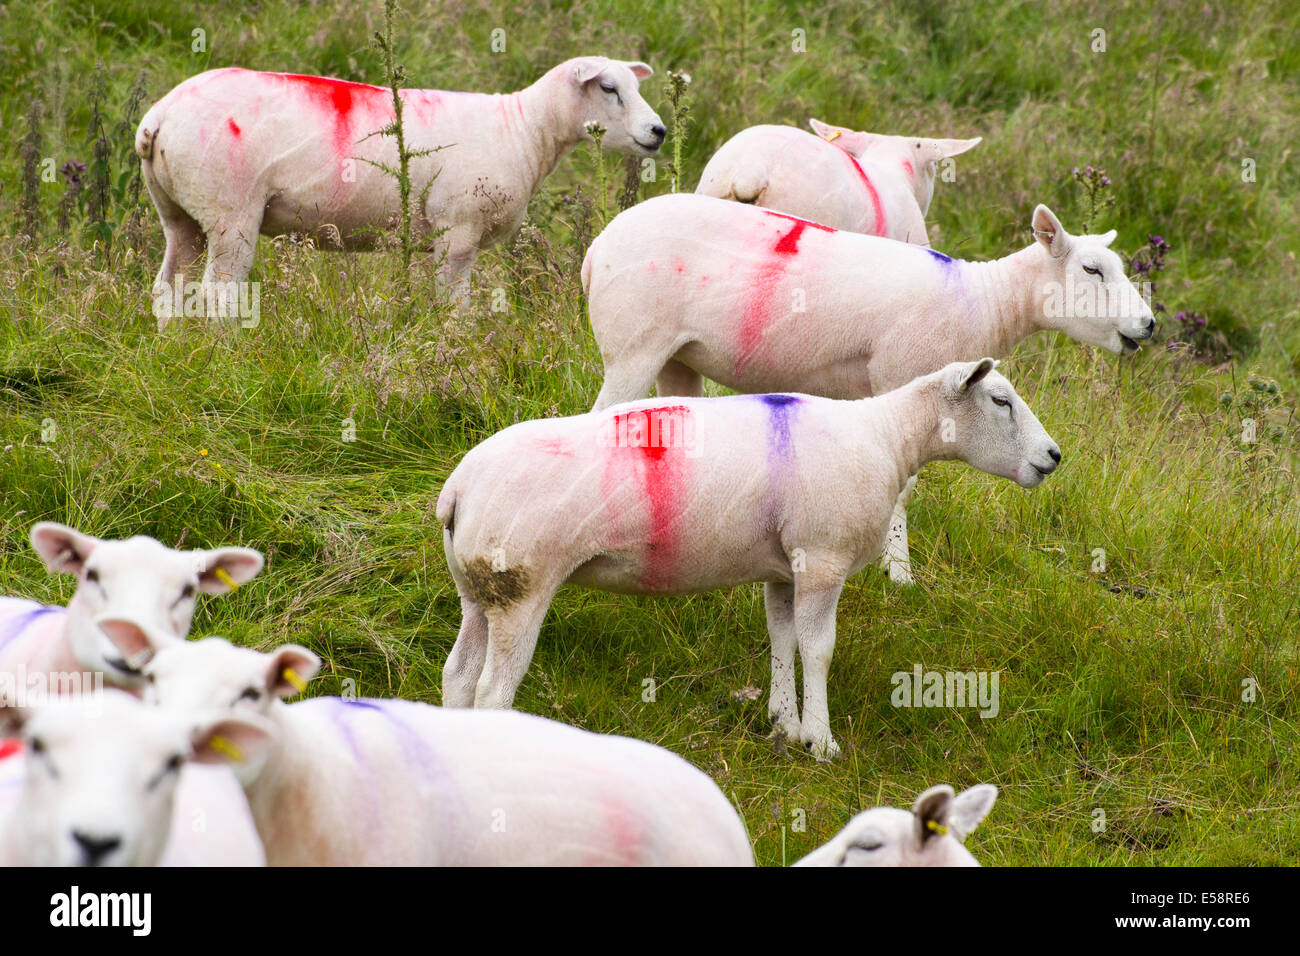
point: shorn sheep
(391, 782)
(56, 651)
(685, 287)
(863, 182)
(101, 777)
(931, 834)
(669, 497)
(232, 153)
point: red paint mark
(9, 748)
(625, 830)
(554, 446)
(870, 187)
(649, 448)
(338, 101)
(234, 127)
(907, 168)
(760, 307)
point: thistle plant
(31, 156)
(597, 133)
(675, 90)
(1095, 182)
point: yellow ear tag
(226, 579)
(292, 677)
(835, 135)
(224, 746)
(936, 827)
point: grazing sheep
(231, 153)
(931, 834)
(100, 777)
(393, 782)
(693, 494)
(138, 579)
(684, 287)
(863, 182)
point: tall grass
(1123, 690)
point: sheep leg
(783, 699)
(232, 244)
(457, 252)
(512, 638)
(675, 378)
(627, 380)
(897, 558)
(464, 665)
(814, 620)
(185, 243)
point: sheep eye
(252, 694)
(92, 576)
(869, 847)
(1091, 271)
(37, 746)
(1001, 402)
(608, 88)
(187, 591)
(174, 763)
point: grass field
(1126, 690)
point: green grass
(1120, 690)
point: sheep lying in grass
(231, 153)
(100, 777)
(685, 287)
(931, 834)
(666, 498)
(138, 579)
(863, 182)
(393, 782)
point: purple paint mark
(778, 422)
(940, 256)
(22, 622)
(414, 746)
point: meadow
(1139, 608)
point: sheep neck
(909, 422)
(541, 119)
(1006, 294)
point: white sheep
(99, 777)
(138, 579)
(931, 834)
(231, 153)
(394, 782)
(863, 182)
(685, 287)
(668, 497)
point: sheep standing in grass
(694, 494)
(232, 153)
(101, 778)
(930, 835)
(393, 782)
(685, 287)
(863, 182)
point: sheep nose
(658, 131)
(1151, 325)
(1055, 453)
(95, 848)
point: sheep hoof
(823, 747)
(901, 573)
(785, 728)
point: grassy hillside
(1121, 690)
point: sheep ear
(931, 813)
(221, 566)
(640, 70)
(976, 372)
(289, 670)
(969, 808)
(588, 68)
(64, 550)
(231, 740)
(137, 642)
(955, 147)
(851, 141)
(1108, 238)
(1049, 231)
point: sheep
(669, 497)
(233, 152)
(100, 777)
(863, 182)
(391, 782)
(685, 287)
(930, 835)
(139, 579)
